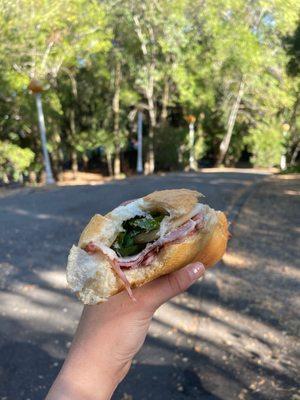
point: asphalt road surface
(38, 315)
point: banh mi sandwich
(143, 239)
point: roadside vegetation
(233, 66)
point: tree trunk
(72, 133)
(180, 155)
(152, 127)
(73, 125)
(109, 163)
(74, 161)
(294, 141)
(85, 161)
(150, 63)
(74, 158)
(165, 102)
(116, 111)
(230, 125)
(57, 162)
(61, 158)
(295, 155)
(150, 165)
(148, 91)
(5, 178)
(32, 177)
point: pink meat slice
(127, 202)
(92, 248)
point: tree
(238, 42)
(292, 45)
(45, 38)
(14, 161)
(266, 143)
(150, 54)
(101, 62)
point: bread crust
(215, 247)
(177, 202)
(98, 229)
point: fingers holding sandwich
(157, 292)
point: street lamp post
(139, 167)
(37, 89)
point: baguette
(189, 231)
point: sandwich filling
(139, 241)
(137, 232)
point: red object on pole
(35, 86)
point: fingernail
(195, 270)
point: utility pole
(139, 167)
(37, 89)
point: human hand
(110, 334)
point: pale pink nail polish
(196, 270)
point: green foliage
(45, 35)
(90, 140)
(169, 144)
(265, 141)
(138, 231)
(14, 161)
(293, 49)
(176, 57)
(291, 170)
(200, 147)
(237, 145)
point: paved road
(38, 315)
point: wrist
(75, 383)
(85, 377)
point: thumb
(164, 288)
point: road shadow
(39, 314)
(162, 382)
(26, 370)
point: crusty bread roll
(200, 233)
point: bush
(171, 147)
(167, 143)
(266, 144)
(14, 161)
(291, 170)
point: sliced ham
(146, 256)
(127, 202)
(121, 274)
(149, 258)
(93, 248)
(199, 219)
